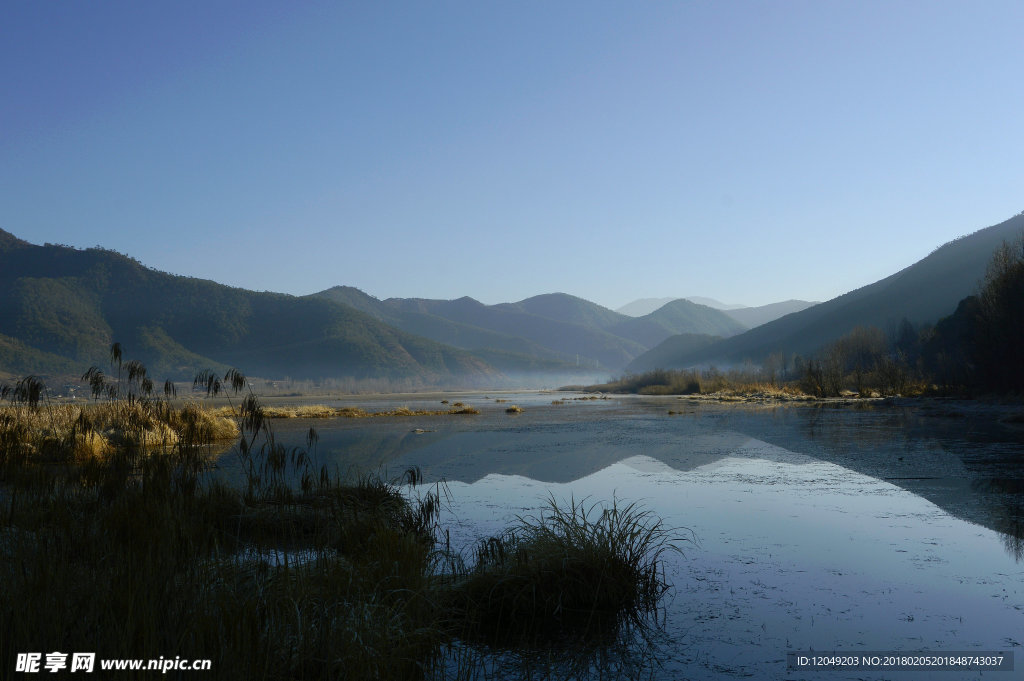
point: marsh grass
(93, 429)
(134, 551)
(121, 542)
(575, 574)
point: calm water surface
(818, 528)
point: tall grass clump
(572, 573)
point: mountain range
(61, 308)
(562, 331)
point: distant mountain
(711, 302)
(756, 316)
(505, 352)
(565, 308)
(678, 316)
(533, 333)
(749, 317)
(562, 332)
(528, 320)
(61, 308)
(924, 292)
(666, 353)
(643, 306)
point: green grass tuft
(573, 573)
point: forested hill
(61, 308)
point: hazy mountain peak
(681, 304)
(569, 308)
(711, 302)
(644, 306)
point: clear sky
(747, 151)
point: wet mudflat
(894, 527)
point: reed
(116, 537)
(573, 573)
(137, 552)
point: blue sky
(747, 151)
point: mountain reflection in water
(819, 528)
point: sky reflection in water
(797, 551)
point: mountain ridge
(748, 315)
(63, 302)
(922, 292)
(553, 326)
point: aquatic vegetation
(514, 409)
(571, 572)
(130, 547)
(136, 551)
(77, 432)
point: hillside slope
(666, 354)
(67, 306)
(922, 293)
(752, 317)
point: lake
(887, 527)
